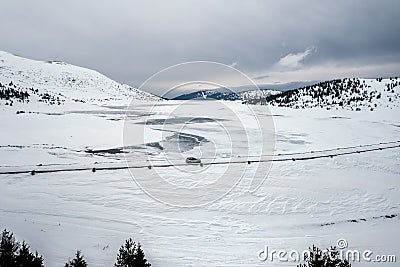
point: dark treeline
(12, 93)
(130, 254)
(15, 254)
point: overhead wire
(274, 158)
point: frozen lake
(302, 202)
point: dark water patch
(98, 112)
(118, 150)
(340, 117)
(54, 113)
(13, 146)
(178, 142)
(115, 107)
(182, 142)
(88, 112)
(179, 120)
(155, 145)
(292, 138)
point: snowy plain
(301, 203)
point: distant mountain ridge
(348, 93)
(238, 93)
(227, 95)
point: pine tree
(140, 258)
(38, 260)
(131, 255)
(328, 258)
(26, 258)
(79, 261)
(8, 249)
(127, 254)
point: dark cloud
(260, 77)
(131, 40)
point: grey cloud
(260, 77)
(131, 40)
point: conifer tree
(79, 261)
(127, 254)
(328, 258)
(140, 258)
(26, 258)
(8, 249)
(131, 255)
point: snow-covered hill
(63, 81)
(351, 94)
(258, 94)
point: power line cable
(249, 161)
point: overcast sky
(271, 41)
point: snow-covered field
(302, 202)
(60, 212)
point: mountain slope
(64, 81)
(351, 94)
